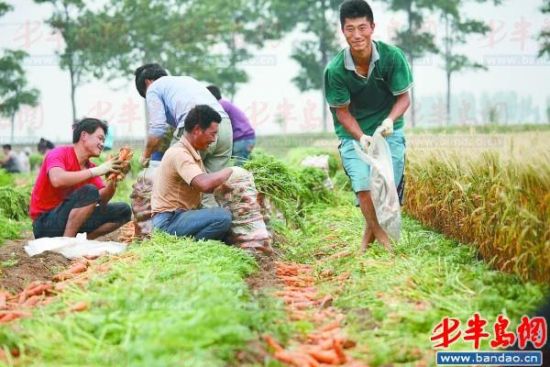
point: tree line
(211, 39)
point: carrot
(8, 316)
(272, 343)
(331, 326)
(326, 344)
(32, 301)
(339, 351)
(301, 305)
(286, 357)
(78, 268)
(296, 359)
(323, 356)
(125, 155)
(43, 288)
(79, 307)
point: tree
(456, 33)
(64, 20)
(4, 8)
(206, 39)
(318, 19)
(544, 36)
(14, 92)
(414, 43)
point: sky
(508, 50)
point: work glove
(112, 165)
(144, 161)
(387, 124)
(365, 141)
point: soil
(17, 269)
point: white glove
(365, 141)
(387, 124)
(112, 165)
(144, 161)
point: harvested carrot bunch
(125, 155)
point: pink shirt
(44, 196)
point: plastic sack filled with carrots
(248, 229)
(141, 201)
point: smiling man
(366, 86)
(69, 196)
(182, 179)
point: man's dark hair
(89, 125)
(6, 146)
(147, 71)
(201, 115)
(215, 91)
(353, 9)
(43, 145)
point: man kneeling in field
(69, 196)
(181, 180)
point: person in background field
(69, 196)
(169, 99)
(182, 179)
(24, 160)
(44, 146)
(366, 86)
(9, 163)
(244, 137)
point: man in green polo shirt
(366, 86)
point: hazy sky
(508, 50)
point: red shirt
(44, 196)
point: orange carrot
(272, 343)
(79, 307)
(331, 326)
(323, 356)
(125, 155)
(32, 301)
(43, 288)
(339, 351)
(78, 268)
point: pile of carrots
(125, 155)
(37, 293)
(127, 233)
(327, 344)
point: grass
(172, 302)
(14, 206)
(393, 301)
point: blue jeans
(242, 149)
(201, 224)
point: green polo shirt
(370, 98)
